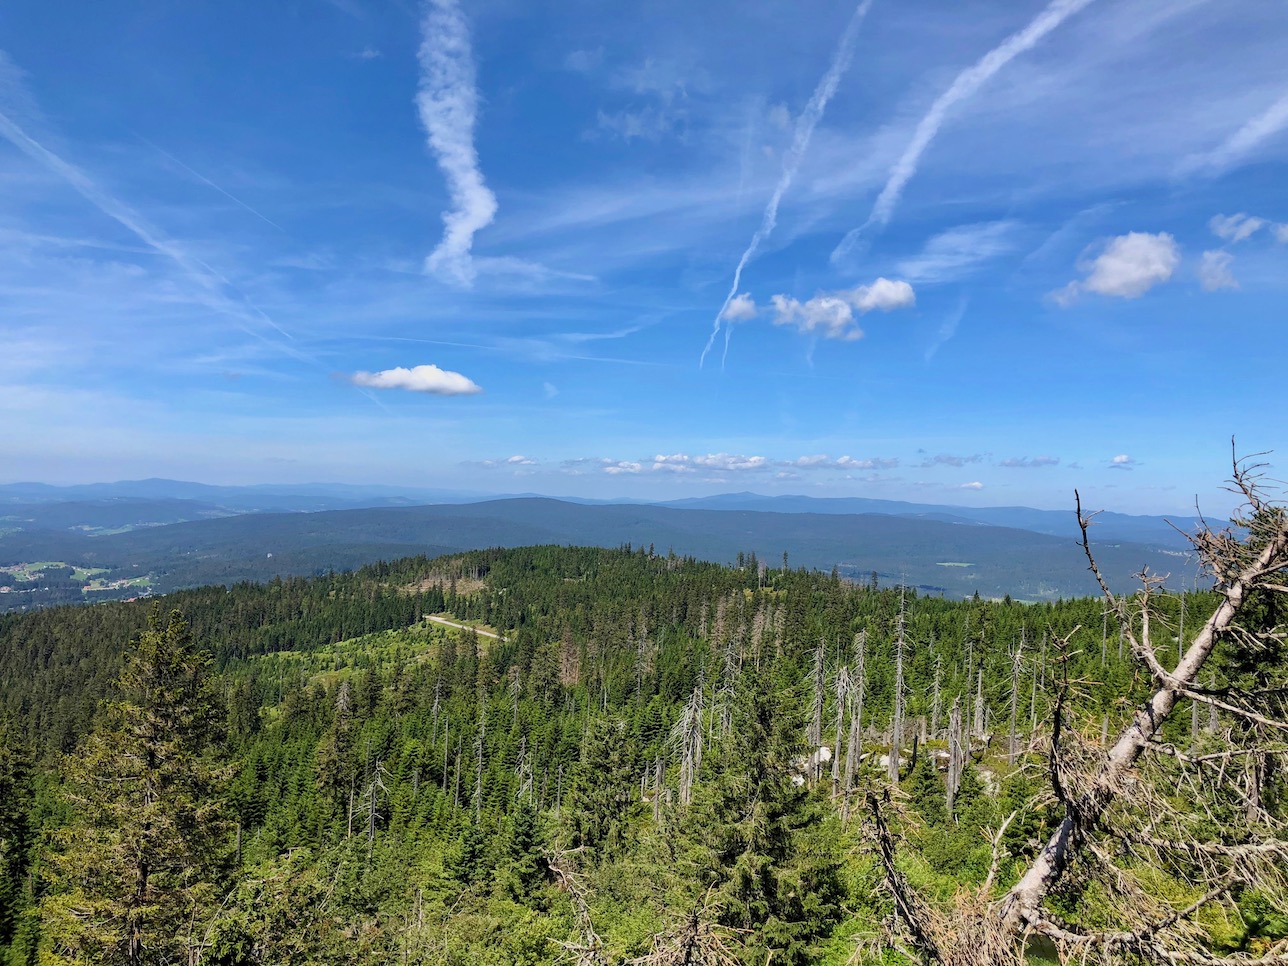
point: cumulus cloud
(1128, 267)
(427, 379)
(731, 462)
(1235, 228)
(879, 463)
(740, 309)
(673, 463)
(448, 107)
(882, 294)
(618, 467)
(1214, 271)
(827, 315)
(1122, 462)
(975, 485)
(1025, 462)
(519, 460)
(831, 315)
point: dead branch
(1242, 566)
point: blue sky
(974, 252)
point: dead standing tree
(1165, 840)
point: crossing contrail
(791, 163)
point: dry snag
(1166, 833)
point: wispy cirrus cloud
(947, 328)
(1029, 463)
(805, 125)
(1243, 142)
(1215, 272)
(951, 459)
(958, 252)
(1235, 228)
(426, 379)
(448, 104)
(822, 461)
(218, 293)
(966, 84)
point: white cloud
(519, 460)
(976, 485)
(1128, 267)
(810, 462)
(665, 466)
(1242, 142)
(1215, 273)
(740, 309)
(731, 462)
(882, 294)
(550, 390)
(448, 106)
(879, 463)
(966, 84)
(825, 315)
(1281, 234)
(956, 253)
(1235, 228)
(1122, 462)
(428, 379)
(618, 467)
(832, 315)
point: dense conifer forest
(565, 755)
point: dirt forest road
(464, 627)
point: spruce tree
(758, 844)
(139, 870)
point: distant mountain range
(183, 534)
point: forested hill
(625, 756)
(955, 558)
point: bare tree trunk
(1016, 661)
(936, 699)
(814, 734)
(1239, 574)
(896, 723)
(956, 753)
(842, 694)
(854, 747)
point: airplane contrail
(197, 270)
(791, 163)
(965, 85)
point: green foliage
(139, 869)
(344, 782)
